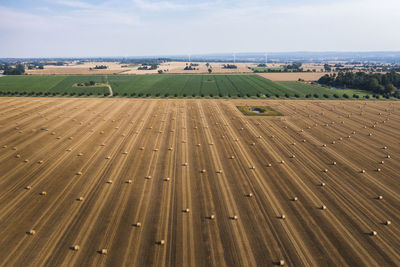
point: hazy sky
(63, 28)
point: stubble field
(242, 191)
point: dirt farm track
(158, 182)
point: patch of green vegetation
(171, 86)
(311, 91)
(259, 111)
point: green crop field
(168, 85)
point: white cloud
(170, 5)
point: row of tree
(385, 84)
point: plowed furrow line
(246, 255)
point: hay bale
(294, 143)
(362, 171)
(282, 162)
(166, 179)
(212, 217)
(80, 154)
(219, 171)
(128, 181)
(161, 242)
(138, 224)
(304, 140)
(125, 152)
(340, 138)
(40, 162)
(269, 165)
(252, 168)
(155, 149)
(373, 233)
(388, 223)
(333, 142)
(198, 145)
(281, 263)
(203, 171)
(28, 187)
(322, 184)
(382, 162)
(323, 207)
(282, 216)
(388, 156)
(250, 195)
(379, 197)
(325, 170)
(232, 157)
(170, 149)
(234, 217)
(385, 147)
(324, 145)
(186, 210)
(378, 170)
(5, 146)
(293, 156)
(75, 248)
(148, 177)
(14, 148)
(295, 199)
(79, 173)
(334, 163)
(43, 193)
(253, 144)
(109, 182)
(370, 134)
(185, 164)
(108, 157)
(32, 232)
(141, 148)
(18, 156)
(80, 199)
(26, 161)
(69, 150)
(103, 144)
(104, 251)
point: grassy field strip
(170, 85)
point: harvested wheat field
(162, 182)
(292, 76)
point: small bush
(296, 95)
(326, 96)
(316, 95)
(335, 95)
(356, 96)
(308, 95)
(345, 96)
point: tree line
(387, 84)
(19, 69)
